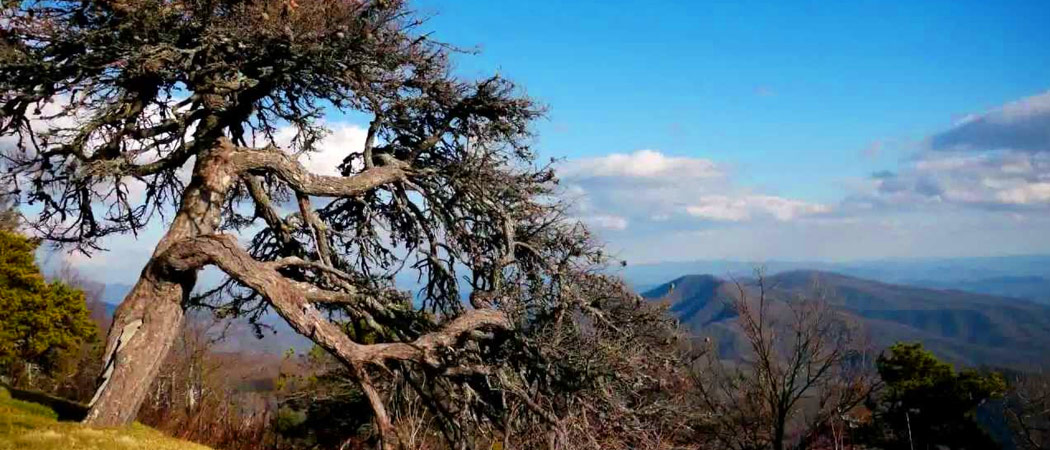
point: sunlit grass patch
(31, 426)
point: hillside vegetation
(961, 327)
(32, 426)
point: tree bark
(144, 328)
(147, 322)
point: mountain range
(1023, 276)
(962, 327)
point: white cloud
(345, 139)
(736, 209)
(998, 160)
(993, 179)
(1026, 194)
(642, 164)
(652, 192)
(874, 235)
(654, 206)
(607, 222)
(1034, 106)
(982, 186)
(720, 208)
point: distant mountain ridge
(1036, 288)
(1022, 276)
(963, 327)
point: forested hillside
(962, 327)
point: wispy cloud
(656, 191)
(999, 159)
(981, 186)
(650, 164)
(981, 180)
(745, 207)
(606, 222)
(765, 91)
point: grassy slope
(31, 426)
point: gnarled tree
(121, 111)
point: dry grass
(31, 426)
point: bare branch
(265, 209)
(294, 305)
(304, 182)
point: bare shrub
(200, 395)
(805, 373)
(1028, 411)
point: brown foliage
(610, 378)
(806, 373)
(1028, 411)
(204, 396)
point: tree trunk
(779, 431)
(144, 328)
(150, 317)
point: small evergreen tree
(40, 319)
(927, 404)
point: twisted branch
(294, 304)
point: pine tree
(39, 318)
(927, 404)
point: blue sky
(774, 130)
(793, 92)
(801, 101)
